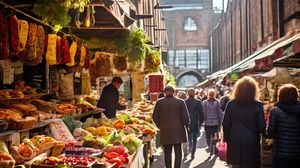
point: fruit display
(84, 161)
(82, 151)
(66, 108)
(8, 114)
(116, 154)
(144, 106)
(30, 148)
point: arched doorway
(188, 79)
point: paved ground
(202, 158)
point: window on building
(191, 59)
(203, 57)
(171, 57)
(180, 60)
(190, 25)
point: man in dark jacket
(196, 118)
(224, 100)
(109, 99)
(171, 117)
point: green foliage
(152, 61)
(56, 12)
(172, 80)
(136, 46)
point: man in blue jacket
(196, 118)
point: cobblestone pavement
(202, 158)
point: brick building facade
(249, 25)
(189, 24)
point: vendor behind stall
(109, 99)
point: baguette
(25, 108)
(42, 105)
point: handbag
(222, 150)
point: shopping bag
(222, 150)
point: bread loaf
(42, 105)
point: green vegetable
(71, 123)
(131, 142)
(152, 61)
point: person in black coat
(224, 100)
(109, 99)
(243, 123)
(284, 127)
(196, 119)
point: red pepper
(116, 160)
(110, 155)
(118, 149)
(124, 159)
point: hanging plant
(55, 12)
(152, 61)
(137, 47)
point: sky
(218, 3)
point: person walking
(109, 99)
(212, 117)
(243, 123)
(196, 119)
(171, 117)
(284, 128)
(225, 99)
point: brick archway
(194, 73)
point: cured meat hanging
(23, 34)
(51, 49)
(4, 41)
(14, 37)
(31, 42)
(73, 50)
(66, 51)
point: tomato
(118, 149)
(116, 160)
(124, 159)
(125, 154)
(110, 155)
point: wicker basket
(58, 149)
(24, 123)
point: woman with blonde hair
(243, 123)
(284, 127)
(212, 118)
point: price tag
(8, 75)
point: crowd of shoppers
(239, 115)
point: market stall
(51, 80)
